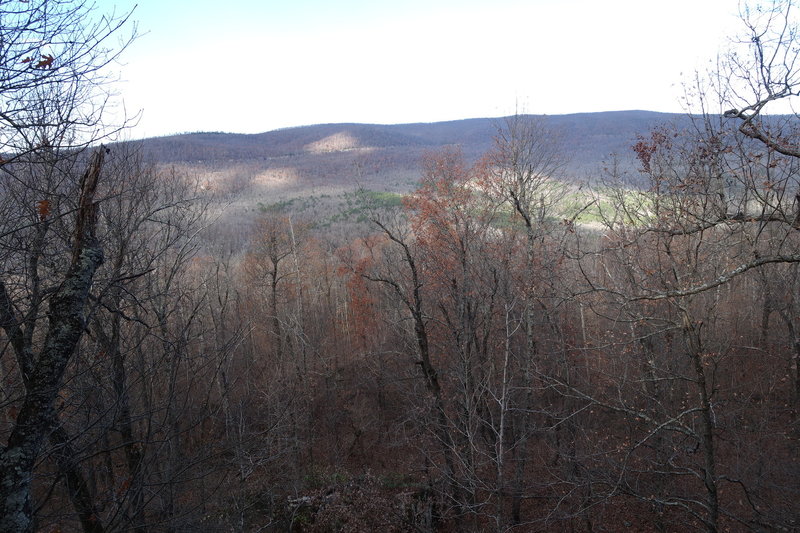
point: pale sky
(249, 66)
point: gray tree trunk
(66, 324)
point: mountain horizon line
(412, 123)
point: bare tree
(42, 372)
(670, 267)
(762, 71)
(53, 91)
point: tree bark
(77, 487)
(66, 325)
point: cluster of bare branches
(504, 351)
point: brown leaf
(43, 207)
(46, 62)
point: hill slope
(316, 169)
(588, 138)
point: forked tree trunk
(66, 324)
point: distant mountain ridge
(314, 171)
(318, 173)
(588, 138)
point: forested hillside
(587, 138)
(418, 328)
(320, 171)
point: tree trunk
(66, 325)
(77, 487)
(693, 344)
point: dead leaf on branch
(43, 208)
(46, 62)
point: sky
(249, 66)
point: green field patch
(357, 206)
(276, 207)
(378, 199)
